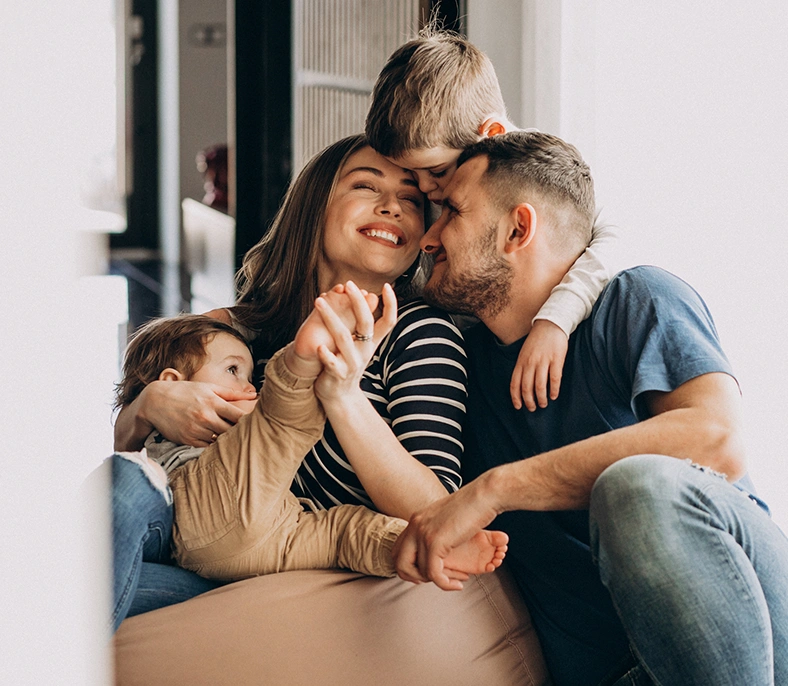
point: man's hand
(421, 549)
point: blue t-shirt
(649, 331)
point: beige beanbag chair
(325, 628)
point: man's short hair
(176, 342)
(434, 90)
(524, 164)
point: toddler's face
(228, 363)
(433, 168)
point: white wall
(501, 37)
(682, 111)
(53, 575)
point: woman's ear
(171, 374)
(492, 126)
(523, 226)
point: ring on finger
(213, 438)
(362, 337)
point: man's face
(470, 274)
(433, 168)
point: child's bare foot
(483, 553)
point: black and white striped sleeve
(423, 373)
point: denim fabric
(649, 331)
(697, 570)
(634, 677)
(628, 673)
(161, 585)
(144, 577)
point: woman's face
(374, 221)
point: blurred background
(146, 144)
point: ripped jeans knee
(153, 471)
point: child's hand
(541, 359)
(302, 357)
(344, 365)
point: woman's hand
(185, 412)
(302, 357)
(344, 362)
(395, 480)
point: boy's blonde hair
(435, 90)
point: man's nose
(430, 242)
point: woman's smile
(383, 232)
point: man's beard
(483, 290)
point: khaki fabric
(335, 628)
(235, 516)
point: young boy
(436, 95)
(234, 515)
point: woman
(350, 215)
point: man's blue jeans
(698, 573)
(144, 576)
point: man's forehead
(467, 176)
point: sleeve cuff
(280, 372)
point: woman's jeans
(698, 573)
(144, 576)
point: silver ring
(362, 338)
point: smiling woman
(314, 240)
(350, 215)
(374, 222)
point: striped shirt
(417, 381)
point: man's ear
(171, 374)
(492, 126)
(523, 223)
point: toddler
(234, 515)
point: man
(638, 566)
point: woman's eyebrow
(408, 181)
(373, 170)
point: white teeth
(385, 235)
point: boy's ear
(522, 227)
(171, 374)
(492, 126)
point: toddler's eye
(438, 174)
(233, 369)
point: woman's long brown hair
(277, 283)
